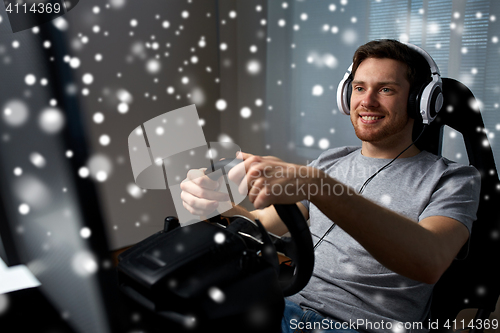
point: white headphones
(426, 100)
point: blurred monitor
(56, 216)
(50, 218)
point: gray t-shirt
(348, 284)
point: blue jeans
(297, 320)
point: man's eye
(358, 89)
(386, 89)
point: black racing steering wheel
(216, 275)
(299, 247)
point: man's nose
(370, 99)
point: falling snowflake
(123, 108)
(221, 105)
(245, 112)
(481, 291)
(15, 113)
(85, 232)
(350, 37)
(74, 62)
(216, 295)
(104, 140)
(386, 199)
(30, 79)
(317, 90)
(219, 238)
(308, 141)
(324, 144)
(84, 264)
(153, 66)
(88, 78)
(18, 171)
(24, 209)
(101, 176)
(37, 160)
(83, 172)
(51, 120)
(253, 67)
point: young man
(391, 243)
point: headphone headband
(432, 64)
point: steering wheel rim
(301, 240)
(304, 249)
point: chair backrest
(475, 281)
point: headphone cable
(369, 180)
(388, 164)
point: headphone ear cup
(348, 96)
(436, 102)
(430, 101)
(344, 92)
(413, 106)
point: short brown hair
(418, 69)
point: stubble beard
(381, 134)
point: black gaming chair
(475, 281)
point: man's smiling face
(379, 101)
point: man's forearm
(397, 242)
